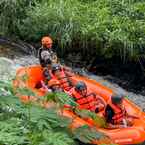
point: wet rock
(7, 69)
(19, 45)
(9, 52)
(26, 60)
(8, 66)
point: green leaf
(87, 134)
(64, 98)
(99, 121)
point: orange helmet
(46, 40)
(53, 82)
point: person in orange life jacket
(46, 72)
(68, 71)
(60, 74)
(115, 113)
(54, 85)
(86, 99)
(46, 50)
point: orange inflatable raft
(130, 135)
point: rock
(7, 68)
(26, 60)
(19, 45)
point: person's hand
(129, 121)
(112, 126)
(122, 126)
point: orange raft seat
(30, 76)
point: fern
(63, 98)
(99, 121)
(31, 124)
(88, 135)
(12, 132)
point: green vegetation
(31, 124)
(106, 27)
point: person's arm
(38, 53)
(54, 57)
(131, 116)
(100, 103)
(44, 86)
(46, 75)
(127, 115)
(41, 61)
(112, 126)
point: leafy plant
(104, 27)
(97, 120)
(31, 124)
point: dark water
(129, 75)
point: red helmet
(46, 41)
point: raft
(122, 136)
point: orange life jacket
(47, 74)
(119, 114)
(52, 75)
(88, 102)
(64, 81)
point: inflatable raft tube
(130, 135)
